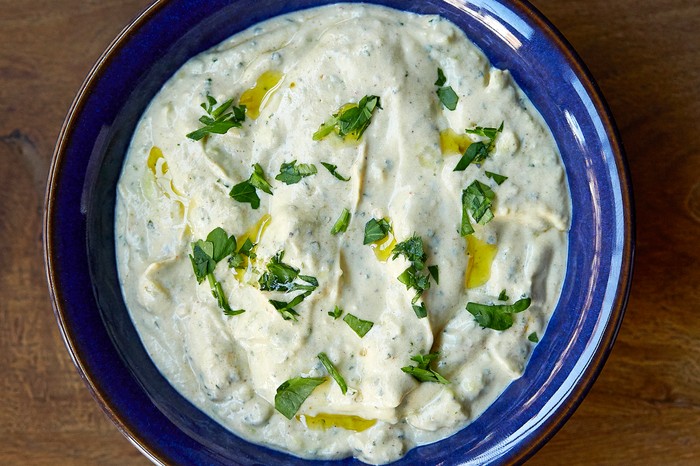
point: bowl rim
(588, 376)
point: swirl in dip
(394, 278)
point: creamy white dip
(175, 194)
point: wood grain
(644, 408)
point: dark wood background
(644, 408)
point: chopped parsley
(361, 327)
(342, 223)
(435, 273)
(336, 313)
(246, 191)
(332, 168)
(499, 179)
(476, 200)
(219, 119)
(533, 337)
(281, 277)
(325, 360)
(351, 120)
(292, 394)
(446, 94)
(376, 230)
(205, 255)
(420, 311)
(497, 316)
(291, 173)
(422, 372)
(237, 259)
(413, 276)
(478, 151)
(503, 296)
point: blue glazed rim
(78, 236)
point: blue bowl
(79, 234)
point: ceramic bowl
(79, 234)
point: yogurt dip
(328, 260)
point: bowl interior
(80, 211)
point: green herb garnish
(281, 277)
(533, 337)
(435, 273)
(333, 372)
(205, 255)
(219, 119)
(441, 80)
(292, 394)
(246, 191)
(237, 260)
(332, 168)
(478, 151)
(422, 372)
(361, 327)
(352, 120)
(336, 313)
(503, 296)
(446, 94)
(420, 311)
(342, 223)
(413, 277)
(291, 173)
(476, 200)
(497, 316)
(376, 230)
(499, 179)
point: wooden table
(644, 408)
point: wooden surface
(644, 408)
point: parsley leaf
(280, 277)
(412, 249)
(336, 312)
(333, 372)
(435, 273)
(361, 327)
(331, 168)
(499, 179)
(292, 394)
(446, 94)
(376, 230)
(223, 245)
(351, 120)
(497, 316)
(503, 296)
(412, 277)
(448, 97)
(257, 179)
(218, 120)
(533, 337)
(220, 297)
(205, 255)
(422, 372)
(476, 200)
(478, 151)
(286, 309)
(290, 173)
(441, 79)
(420, 311)
(245, 191)
(488, 133)
(201, 258)
(342, 223)
(237, 260)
